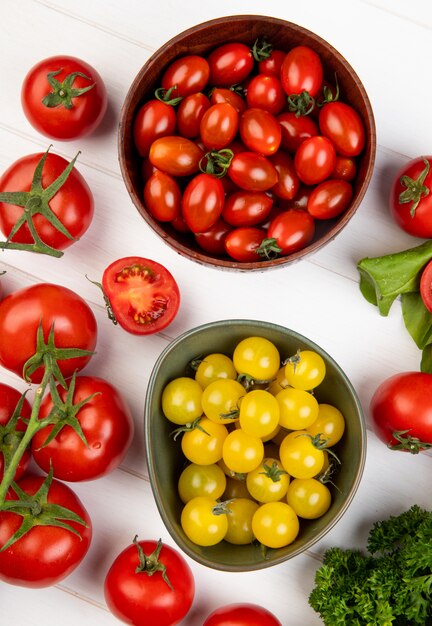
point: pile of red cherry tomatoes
(246, 148)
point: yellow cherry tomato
(203, 443)
(268, 482)
(240, 513)
(259, 413)
(306, 370)
(298, 408)
(235, 489)
(202, 521)
(279, 383)
(181, 400)
(275, 524)
(257, 358)
(201, 480)
(330, 424)
(214, 367)
(300, 456)
(221, 400)
(309, 497)
(242, 452)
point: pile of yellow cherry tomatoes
(257, 441)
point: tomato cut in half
(143, 294)
(426, 286)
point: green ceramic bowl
(165, 459)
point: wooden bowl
(201, 39)
(165, 459)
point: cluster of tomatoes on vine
(244, 149)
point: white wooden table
(389, 44)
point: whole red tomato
(329, 199)
(273, 63)
(190, 113)
(315, 160)
(241, 615)
(72, 204)
(54, 306)
(230, 64)
(343, 125)
(213, 239)
(219, 126)
(222, 94)
(149, 583)
(288, 182)
(64, 97)
(177, 156)
(345, 168)
(411, 197)
(45, 555)
(186, 75)
(202, 202)
(143, 294)
(241, 243)
(162, 196)
(247, 208)
(426, 286)
(401, 411)
(266, 92)
(154, 119)
(106, 424)
(293, 230)
(10, 436)
(295, 129)
(260, 131)
(302, 71)
(252, 171)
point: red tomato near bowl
(252, 171)
(426, 286)
(72, 204)
(213, 239)
(343, 125)
(241, 243)
(219, 126)
(143, 294)
(302, 71)
(260, 131)
(241, 615)
(315, 160)
(247, 208)
(293, 230)
(45, 555)
(105, 422)
(401, 411)
(230, 64)
(177, 156)
(22, 311)
(411, 197)
(190, 113)
(222, 94)
(143, 597)
(9, 435)
(329, 199)
(295, 129)
(266, 92)
(288, 182)
(162, 196)
(64, 98)
(154, 119)
(186, 75)
(202, 202)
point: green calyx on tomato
(328, 94)
(37, 511)
(249, 382)
(10, 436)
(262, 49)
(188, 427)
(405, 442)
(273, 471)
(150, 564)
(164, 95)
(301, 104)
(63, 93)
(269, 249)
(216, 162)
(415, 189)
(36, 201)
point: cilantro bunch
(389, 586)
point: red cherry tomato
(147, 169)
(162, 196)
(247, 208)
(411, 197)
(288, 182)
(345, 168)
(222, 94)
(300, 200)
(219, 126)
(343, 125)
(266, 92)
(186, 75)
(213, 239)
(241, 243)
(202, 202)
(45, 555)
(329, 199)
(315, 160)
(179, 224)
(177, 156)
(293, 230)
(252, 171)
(241, 615)
(260, 131)
(273, 64)
(190, 113)
(64, 98)
(426, 286)
(154, 119)
(9, 398)
(140, 595)
(302, 71)
(295, 129)
(230, 64)
(143, 294)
